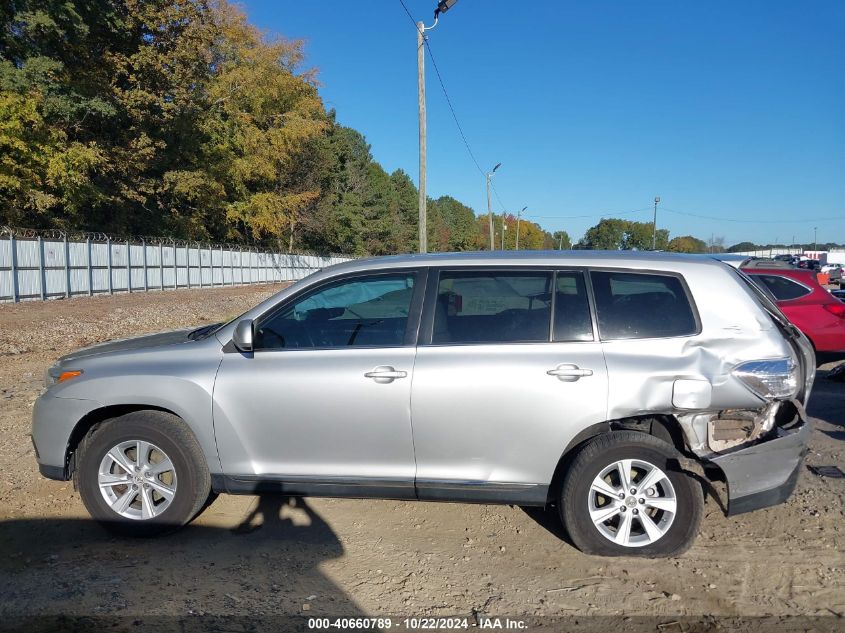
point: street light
(517, 226)
(490, 206)
(442, 7)
(504, 228)
(654, 225)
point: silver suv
(614, 386)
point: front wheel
(626, 495)
(142, 474)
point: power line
(609, 214)
(446, 94)
(711, 217)
(496, 193)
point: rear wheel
(142, 473)
(626, 495)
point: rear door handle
(385, 373)
(569, 373)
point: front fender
(187, 398)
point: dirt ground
(268, 556)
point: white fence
(770, 252)
(43, 268)
(773, 252)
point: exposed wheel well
(664, 427)
(91, 420)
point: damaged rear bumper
(764, 474)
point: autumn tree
(267, 116)
(179, 118)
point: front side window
(367, 311)
(782, 288)
(492, 307)
(641, 305)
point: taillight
(769, 379)
(836, 309)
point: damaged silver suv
(611, 386)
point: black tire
(599, 453)
(172, 436)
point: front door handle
(385, 373)
(569, 373)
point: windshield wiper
(204, 331)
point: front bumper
(764, 474)
(53, 421)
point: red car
(805, 302)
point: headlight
(769, 379)
(59, 374)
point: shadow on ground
(264, 571)
(827, 402)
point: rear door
(648, 328)
(500, 386)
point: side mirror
(242, 338)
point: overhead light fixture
(443, 6)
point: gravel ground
(266, 556)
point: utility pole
(442, 7)
(560, 242)
(517, 226)
(421, 110)
(815, 237)
(490, 207)
(504, 228)
(654, 225)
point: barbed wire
(139, 240)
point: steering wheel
(277, 340)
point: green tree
(608, 234)
(404, 213)
(616, 234)
(742, 246)
(687, 244)
(456, 224)
(561, 240)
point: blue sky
(734, 110)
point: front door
(325, 397)
(500, 387)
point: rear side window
(641, 305)
(492, 307)
(572, 308)
(782, 288)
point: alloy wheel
(137, 480)
(632, 503)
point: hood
(147, 341)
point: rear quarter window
(641, 305)
(782, 288)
